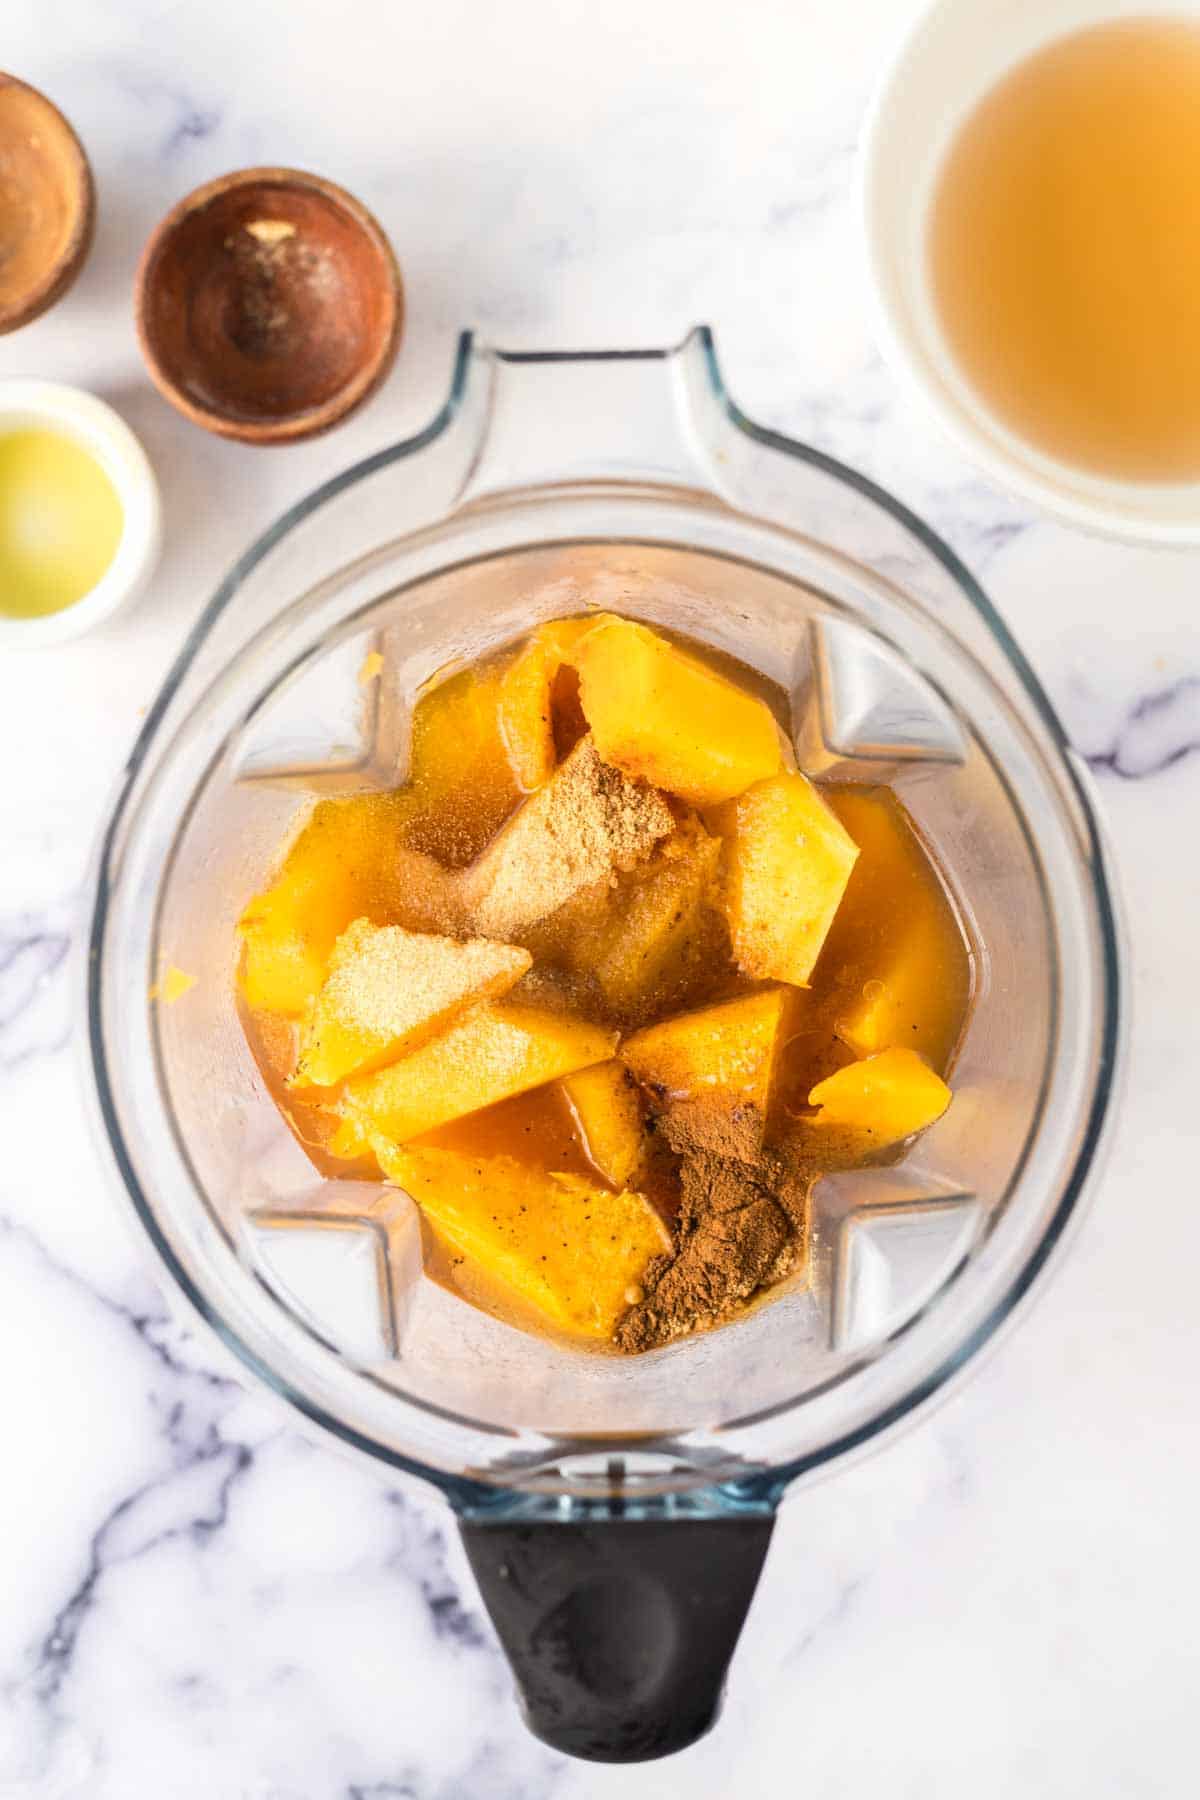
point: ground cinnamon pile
(741, 1223)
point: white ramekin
(948, 59)
(97, 428)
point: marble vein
(33, 1013)
(1159, 730)
(421, 1555)
(142, 1518)
(192, 1500)
(189, 119)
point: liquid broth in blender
(652, 942)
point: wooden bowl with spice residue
(269, 305)
(47, 204)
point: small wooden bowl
(47, 204)
(269, 305)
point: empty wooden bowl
(47, 204)
(269, 305)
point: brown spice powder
(741, 1221)
(694, 1126)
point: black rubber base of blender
(619, 1631)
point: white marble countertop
(197, 1602)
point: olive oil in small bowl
(79, 513)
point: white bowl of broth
(79, 514)
(1030, 194)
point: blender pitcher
(616, 1510)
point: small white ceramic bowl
(951, 56)
(26, 405)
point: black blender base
(619, 1630)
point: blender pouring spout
(549, 419)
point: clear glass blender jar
(616, 1510)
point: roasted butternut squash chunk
(388, 990)
(607, 1108)
(787, 861)
(882, 1099)
(896, 954)
(527, 699)
(663, 717)
(462, 783)
(348, 862)
(495, 1051)
(723, 1054)
(571, 1249)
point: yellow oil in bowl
(60, 522)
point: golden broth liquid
(1065, 249)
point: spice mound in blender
(741, 1227)
(606, 986)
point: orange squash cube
(608, 1112)
(526, 699)
(348, 862)
(388, 990)
(643, 939)
(666, 718)
(787, 861)
(496, 1050)
(881, 1100)
(723, 1055)
(570, 1249)
(902, 967)
(462, 784)
(658, 932)
(576, 934)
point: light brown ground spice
(587, 822)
